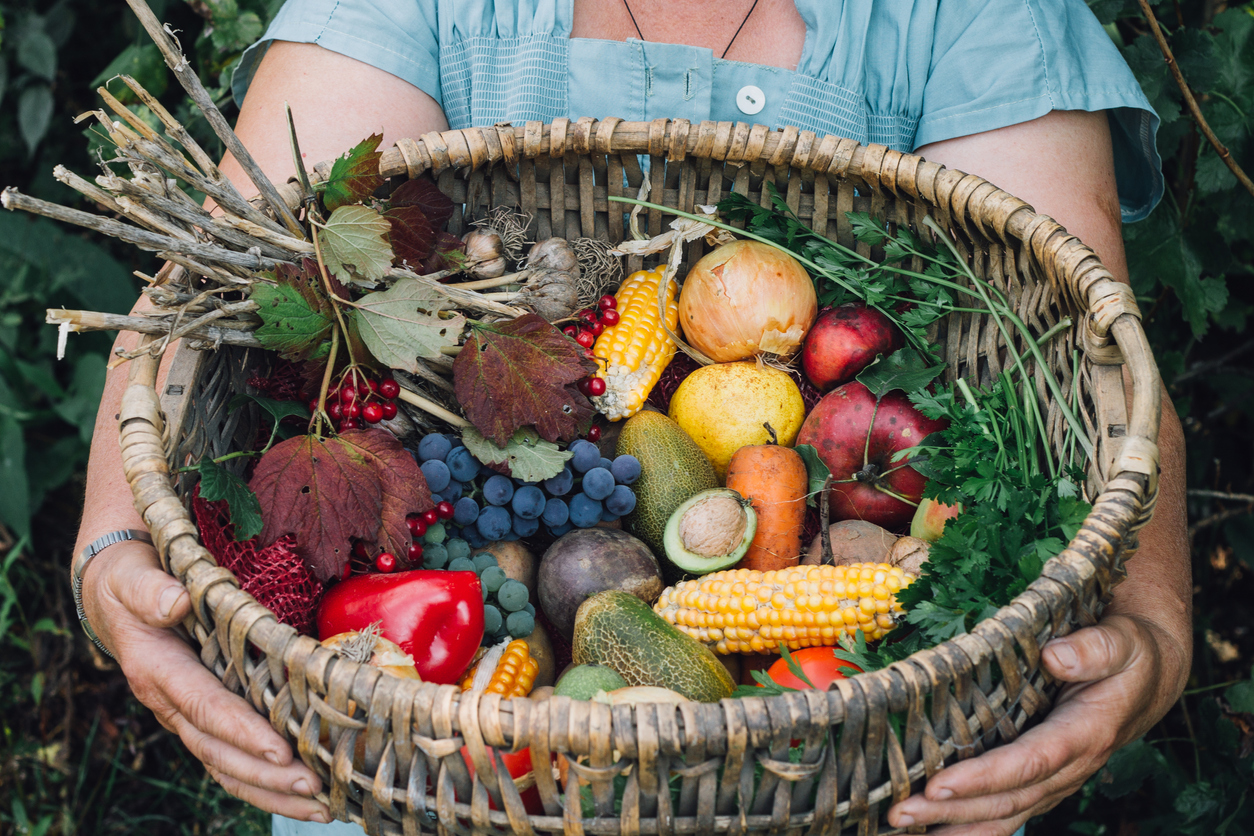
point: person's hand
(131, 604)
(1125, 674)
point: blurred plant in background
(79, 755)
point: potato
(910, 553)
(517, 561)
(541, 693)
(853, 541)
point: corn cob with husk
(747, 611)
(631, 355)
(507, 669)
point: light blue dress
(904, 73)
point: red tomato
(519, 765)
(819, 664)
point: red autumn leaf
(426, 195)
(449, 254)
(354, 176)
(520, 373)
(412, 236)
(325, 492)
(404, 489)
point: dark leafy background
(79, 755)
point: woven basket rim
(1111, 328)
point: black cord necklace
(729, 43)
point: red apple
(930, 518)
(844, 341)
(857, 442)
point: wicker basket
(730, 760)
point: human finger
(1002, 827)
(1093, 652)
(133, 578)
(292, 806)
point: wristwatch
(80, 565)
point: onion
(745, 299)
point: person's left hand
(1125, 673)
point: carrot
(774, 480)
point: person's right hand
(131, 604)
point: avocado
(619, 631)
(710, 531)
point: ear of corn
(747, 611)
(513, 674)
(631, 355)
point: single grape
(462, 464)
(512, 595)
(462, 564)
(498, 490)
(556, 512)
(435, 556)
(435, 533)
(526, 527)
(485, 471)
(584, 455)
(520, 625)
(472, 536)
(626, 469)
(605, 463)
(529, 609)
(436, 474)
(437, 499)
(434, 447)
(493, 523)
(465, 511)
(621, 502)
(560, 484)
(492, 578)
(454, 491)
(484, 560)
(528, 502)
(606, 516)
(511, 536)
(585, 511)
(559, 530)
(457, 547)
(598, 483)
(492, 619)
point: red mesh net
(285, 382)
(275, 575)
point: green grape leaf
(354, 176)
(355, 245)
(278, 410)
(217, 483)
(403, 323)
(906, 369)
(817, 471)
(295, 320)
(528, 457)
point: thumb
(136, 580)
(1092, 653)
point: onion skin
(746, 298)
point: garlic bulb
(553, 254)
(553, 294)
(484, 254)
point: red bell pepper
(435, 616)
(519, 766)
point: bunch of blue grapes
(484, 506)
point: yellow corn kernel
(631, 355)
(515, 672)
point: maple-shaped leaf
(412, 235)
(521, 373)
(402, 323)
(354, 176)
(404, 490)
(355, 246)
(216, 482)
(426, 195)
(295, 320)
(325, 492)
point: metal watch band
(80, 565)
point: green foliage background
(79, 755)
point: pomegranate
(857, 442)
(844, 341)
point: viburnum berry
(347, 394)
(571, 331)
(417, 525)
(335, 410)
(313, 406)
(444, 510)
(389, 410)
(389, 388)
(585, 339)
(415, 552)
(609, 318)
(349, 424)
(348, 570)
(582, 386)
(359, 550)
(374, 386)
(430, 517)
(607, 303)
(352, 410)
(385, 562)
(594, 433)
(596, 386)
(372, 412)
(596, 328)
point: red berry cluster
(359, 401)
(592, 322)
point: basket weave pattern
(392, 760)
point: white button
(750, 99)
